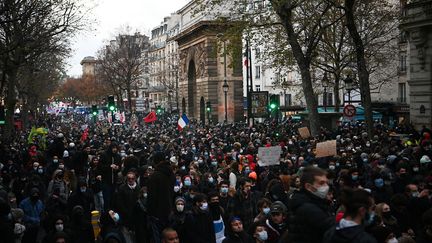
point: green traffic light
(94, 113)
(272, 106)
(208, 109)
(112, 108)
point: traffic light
(208, 106)
(94, 110)
(2, 115)
(274, 102)
(111, 103)
(158, 109)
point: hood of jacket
(346, 234)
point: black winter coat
(160, 189)
(355, 234)
(243, 237)
(124, 201)
(109, 176)
(199, 227)
(310, 218)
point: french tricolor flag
(182, 122)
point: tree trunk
(361, 65)
(336, 93)
(24, 115)
(303, 63)
(129, 97)
(10, 104)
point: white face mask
(393, 240)
(59, 227)
(204, 206)
(263, 236)
(180, 208)
(176, 188)
(321, 191)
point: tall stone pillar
(417, 23)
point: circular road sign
(349, 111)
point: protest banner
(269, 155)
(327, 148)
(304, 132)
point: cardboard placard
(269, 155)
(304, 132)
(327, 148)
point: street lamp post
(325, 84)
(170, 93)
(348, 86)
(225, 87)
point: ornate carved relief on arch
(419, 39)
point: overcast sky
(113, 15)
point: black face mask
(386, 214)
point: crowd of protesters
(204, 184)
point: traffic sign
(349, 111)
(139, 104)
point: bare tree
(29, 29)
(123, 64)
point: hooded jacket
(354, 234)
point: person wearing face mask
(260, 234)
(264, 209)
(198, 222)
(236, 233)
(125, 198)
(244, 203)
(110, 227)
(58, 181)
(57, 226)
(224, 197)
(177, 218)
(381, 192)
(33, 208)
(311, 212)
(207, 183)
(388, 220)
(51, 167)
(218, 216)
(82, 196)
(359, 207)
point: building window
(257, 72)
(257, 53)
(328, 99)
(288, 100)
(402, 63)
(258, 87)
(402, 37)
(402, 93)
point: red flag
(151, 117)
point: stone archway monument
(201, 68)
